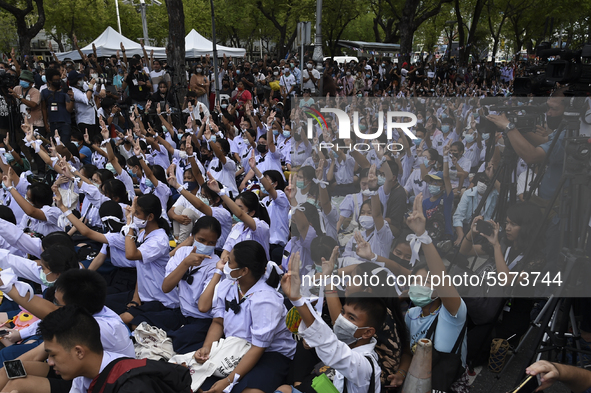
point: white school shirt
(115, 335)
(415, 184)
(14, 236)
(472, 153)
(380, 241)
(52, 215)
(241, 232)
(278, 210)
(224, 217)
(4, 245)
(8, 200)
(91, 213)
(269, 161)
(150, 269)
(261, 320)
(160, 157)
(441, 140)
(81, 384)
(351, 364)
(116, 244)
(162, 191)
(22, 267)
(464, 163)
(224, 173)
(85, 110)
(189, 294)
(127, 181)
(301, 152)
(343, 172)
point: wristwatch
(510, 126)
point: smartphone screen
(14, 369)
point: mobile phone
(4, 332)
(528, 385)
(484, 227)
(14, 369)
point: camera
(7, 80)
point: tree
(466, 45)
(24, 31)
(176, 45)
(337, 15)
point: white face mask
(345, 330)
(141, 224)
(227, 272)
(481, 188)
(366, 222)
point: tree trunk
(25, 33)
(176, 47)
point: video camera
(7, 80)
(573, 67)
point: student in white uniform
(222, 167)
(34, 246)
(116, 165)
(277, 206)
(349, 347)
(305, 227)
(415, 183)
(21, 184)
(40, 216)
(253, 217)
(145, 224)
(7, 215)
(155, 183)
(191, 269)
(183, 213)
(460, 168)
(125, 277)
(210, 204)
(248, 306)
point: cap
(434, 176)
(404, 64)
(27, 75)
(74, 76)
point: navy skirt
(267, 375)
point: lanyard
(517, 258)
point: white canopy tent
(108, 43)
(196, 45)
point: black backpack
(128, 375)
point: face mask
(198, 70)
(24, 84)
(80, 83)
(444, 115)
(227, 272)
(485, 137)
(56, 85)
(275, 73)
(286, 134)
(43, 78)
(237, 72)
(420, 295)
(111, 168)
(191, 185)
(224, 106)
(76, 143)
(141, 224)
(383, 64)
(445, 128)
(366, 222)
(368, 75)
(297, 137)
(94, 76)
(201, 248)
(398, 260)
(553, 121)
(43, 278)
(235, 219)
(300, 184)
(420, 121)
(433, 189)
(240, 88)
(262, 149)
(469, 138)
(213, 138)
(345, 330)
(96, 185)
(359, 95)
(149, 183)
(133, 175)
(348, 73)
(309, 66)
(275, 132)
(381, 180)
(8, 157)
(426, 161)
(481, 188)
(417, 141)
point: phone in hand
(14, 369)
(528, 385)
(484, 227)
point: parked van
(344, 59)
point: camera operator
(576, 379)
(140, 85)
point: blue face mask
(286, 134)
(111, 168)
(434, 190)
(24, 84)
(224, 106)
(445, 128)
(76, 143)
(425, 161)
(275, 132)
(236, 219)
(8, 157)
(44, 281)
(444, 115)
(149, 183)
(417, 141)
(485, 137)
(362, 127)
(300, 184)
(201, 248)
(420, 295)
(191, 185)
(43, 79)
(133, 175)
(469, 138)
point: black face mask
(262, 149)
(57, 85)
(398, 260)
(553, 121)
(297, 137)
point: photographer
(140, 85)
(576, 379)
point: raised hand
(291, 280)
(137, 150)
(290, 190)
(416, 220)
(252, 161)
(189, 147)
(328, 266)
(212, 183)
(363, 247)
(172, 181)
(372, 178)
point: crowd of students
(193, 212)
